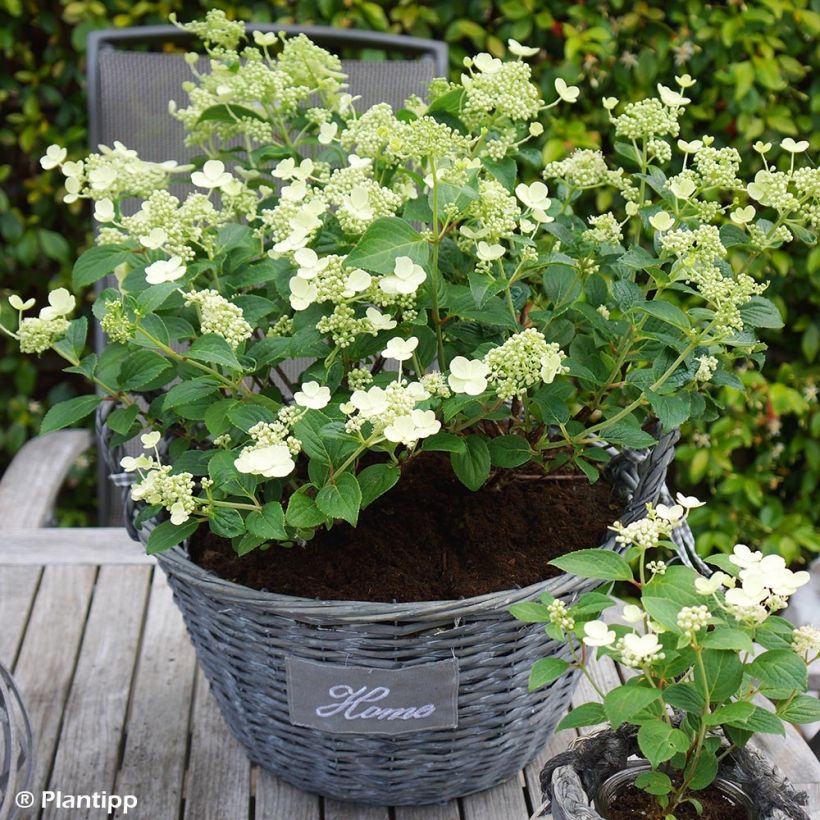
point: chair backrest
(129, 91)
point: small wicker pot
(245, 640)
(581, 783)
(16, 746)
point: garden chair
(128, 92)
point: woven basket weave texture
(242, 637)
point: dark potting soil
(631, 803)
(430, 538)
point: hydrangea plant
(697, 653)
(444, 290)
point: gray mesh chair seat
(129, 91)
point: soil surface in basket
(630, 803)
(430, 538)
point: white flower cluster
(496, 87)
(692, 619)
(806, 641)
(218, 315)
(37, 334)
(525, 360)
(634, 650)
(559, 615)
(647, 533)
(272, 453)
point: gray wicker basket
(243, 637)
(16, 746)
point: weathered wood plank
(18, 586)
(275, 798)
(69, 545)
(89, 746)
(506, 800)
(153, 764)
(219, 773)
(443, 811)
(337, 810)
(42, 463)
(45, 665)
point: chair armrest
(29, 487)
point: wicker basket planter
(579, 784)
(16, 746)
(245, 640)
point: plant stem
(434, 274)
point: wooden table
(100, 653)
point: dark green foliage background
(754, 63)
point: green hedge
(753, 60)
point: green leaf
(724, 673)
(342, 499)
(660, 742)
(530, 612)
(189, 392)
(761, 312)
(705, 770)
(121, 419)
(546, 671)
(142, 368)
(167, 535)
(628, 434)
(444, 442)
(248, 543)
(268, 523)
(734, 713)
(728, 638)
(685, 696)
(213, 349)
(625, 702)
(654, 783)
(588, 714)
(595, 563)
(764, 721)
(672, 411)
(96, 262)
(376, 480)
(473, 465)
(69, 412)
(302, 510)
(226, 522)
(663, 611)
(779, 669)
(666, 312)
(509, 451)
(562, 284)
(803, 709)
(384, 241)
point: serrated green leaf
(268, 523)
(376, 480)
(68, 412)
(625, 702)
(659, 742)
(343, 499)
(384, 241)
(472, 467)
(595, 563)
(588, 714)
(167, 535)
(546, 671)
(530, 612)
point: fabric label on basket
(365, 701)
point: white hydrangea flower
(60, 303)
(742, 216)
(689, 502)
(597, 633)
(104, 210)
(179, 515)
(400, 349)
(632, 614)
(150, 440)
(407, 277)
(302, 293)
(265, 39)
(682, 188)
(370, 403)
(685, 81)
(793, 147)
(357, 281)
(284, 169)
(55, 155)
(568, 93)
(165, 270)
(672, 98)
(638, 650)
(274, 461)
(154, 239)
(671, 514)
(357, 203)
(533, 195)
(520, 50)
(213, 175)
(551, 363)
(312, 395)
(408, 429)
(661, 221)
(708, 586)
(610, 103)
(295, 192)
(327, 132)
(309, 262)
(486, 63)
(468, 376)
(18, 304)
(380, 321)
(690, 147)
(489, 253)
(133, 463)
(743, 557)
(772, 573)
(355, 161)
(72, 188)
(102, 177)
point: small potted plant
(377, 369)
(698, 655)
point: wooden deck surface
(118, 705)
